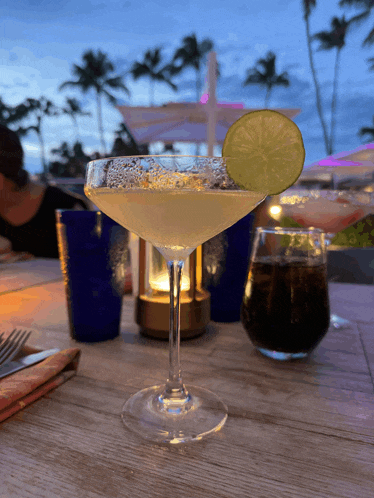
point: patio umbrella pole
(212, 102)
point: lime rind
(264, 152)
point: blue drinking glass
(226, 260)
(93, 253)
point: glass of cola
(285, 308)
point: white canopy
(179, 122)
(188, 122)
(355, 162)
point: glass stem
(175, 390)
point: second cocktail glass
(176, 203)
(329, 210)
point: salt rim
(160, 173)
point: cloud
(40, 75)
(15, 83)
(45, 11)
(31, 148)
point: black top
(39, 236)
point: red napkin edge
(26, 386)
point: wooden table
(295, 430)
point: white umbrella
(188, 122)
(355, 162)
(362, 153)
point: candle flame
(161, 283)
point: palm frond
(181, 53)
(366, 4)
(365, 130)
(23, 131)
(153, 57)
(173, 69)
(192, 53)
(254, 77)
(73, 105)
(264, 74)
(325, 39)
(77, 84)
(369, 40)
(206, 46)
(371, 61)
(112, 99)
(359, 18)
(282, 80)
(161, 76)
(336, 37)
(308, 5)
(116, 83)
(268, 64)
(190, 42)
(139, 70)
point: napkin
(26, 386)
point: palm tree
(367, 5)
(39, 109)
(125, 143)
(367, 130)
(170, 149)
(97, 73)
(308, 5)
(264, 74)
(73, 109)
(72, 161)
(6, 113)
(192, 54)
(150, 68)
(328, 41)
(371, 62)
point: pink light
(204, 98)
(354, 151)
(232, 105)
(336, 162)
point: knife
(26, 361)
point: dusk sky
(41, 39)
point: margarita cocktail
(175, 221)
(176, 203)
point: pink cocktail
(330, 210)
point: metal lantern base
(152, 315)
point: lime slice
(264, 152)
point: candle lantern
(152, 305)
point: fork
(12, 344)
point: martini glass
(176, 203)
(329, 210)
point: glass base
(174, 421)
(338, 322)
(276, 355)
